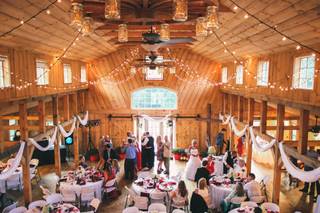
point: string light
(48, 12)
(21, 22)
(284, 38)
(298, 47)
(246, 16)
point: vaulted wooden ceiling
(50, 34)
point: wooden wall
(23, 69)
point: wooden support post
(55, 115)
(250, 123)
(209, 124)
(303, 131)
(263, 119)
(66, 108)
(231, 108)
(1, 136)
(23, 123)
(225, 103)
(42, 116)
(277, 165)
(75, 133)
(240, 108)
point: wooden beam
(277, 165)
(23, 122)
(76, 132)
(263, 113)
(303, 131)
(1, 137)
(249, 144)
(42, 116)
(225, 103)
(209, 111)
(240, 108)
(55, 114)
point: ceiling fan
(153, 60)
(151, 41)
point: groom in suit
(151, 150)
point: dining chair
(139, 202)
(270, 206)
(249, 204)
(37, 203)
(157, 196)
(87, 194)
(20, 209)
(157, 207)
(178, 211)
(132, 209)
(10, 207)
(54, 198)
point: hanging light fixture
(164, 32)
(122, 33)
(87, 25)
(112, 9)
(201, 27)
(172, 70)
(180, 10)
(212, 17)
(133, 70)
(76, 14)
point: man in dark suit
(151, 154)
(202, 172)
(109, 153)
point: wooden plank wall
(23, 68)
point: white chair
(144, 174)
(258, 199)
(178, 211)
(68, 195)
(132, 209)
(157, 207)
(110, 186)
(139, 202)
(34, 162)
(14, 182)
(157, 196)
(270, 207)
(87, 194)
(177, 177)
(54, 198)
(20, 209)
(95, 203)
(10, 207)
(45, 191)
(238, 200)
(249, 204)
(38, 203)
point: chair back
(54, 198)
(249, 204)
(20, 209)
(144, 174)
(9, 208)
(111, 182)
(270, 206)
(157, 207)
(34, 162)
(238, 200)
(178, 211)
(37, 203)
(157, 195)
(87, 193)
(95, 203)
(132, 209)
(44, 190)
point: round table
(221, 187)
(147, 185)
(243, 210)
(58, 208)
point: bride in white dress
(194, 161)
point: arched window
(154, 98)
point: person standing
(194, 161)
(166, 154)
(159, 154)
(229, 159)
(240, 145)
(131, 155)
(109, 154)
(144, 151)
(151, 154)
(220, 141)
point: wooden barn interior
(185, 69)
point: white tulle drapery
(155, 119)
(305, 176)
(7, 173)
(83, 121)
(260, 144)
(67, 134)
(224, 122)
(51, 141)
(237, 132)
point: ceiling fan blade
(179, 40)
(152, 47)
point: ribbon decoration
(305, 176)
(83, 121)
(5, 174)
(51, 141)
(238, 133)
(260, 144)
(67, 134)
(224, 122)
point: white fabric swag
(305, 176)
(67, 134)
(51, 141)
(238, 133)
(7, 173)
(83, 121)
(224, 122)
(260, 144)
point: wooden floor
(291, 200)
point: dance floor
(290, 199)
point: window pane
(67, 74)
(42, 72)
(83, 74)
(154, 98)
(239, 74)
(262, 73)
(224, 75)
(303, 73)
(5, 78)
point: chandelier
(112, 9)
(212, 18)
(76, 14)
(87, 25)
(201, 27)
(164, 32)
(122, 33)
(180, 10)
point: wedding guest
(252, 187)
(159, 153)
(237, 192)
(115, 166)
(83, 163)
(198, 204)
(220, 141)
(166, 154)
(139, 157)
(194, 161)
(240, 143)
(202, 172)
(203, 191)
(240, 169)
(129, 163)
(109, 153)
(147, 151)
(179, 197)
(229, 159)
(151, 145)
(108, 172)
(101, 148)
(210, 165)
(144, 151)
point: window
(5, 80)
(49, 123)
(154, 74)
(42, 72)
(239, 74)
(154, 98)
(12, 132)
(67, 74)
(263, 73)
(83, 74)
(224, 75)
(303, 72)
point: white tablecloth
(3, 182)
(98, 186)
(219, 193)
(218, 166)
(317, 209)
(246, 210)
